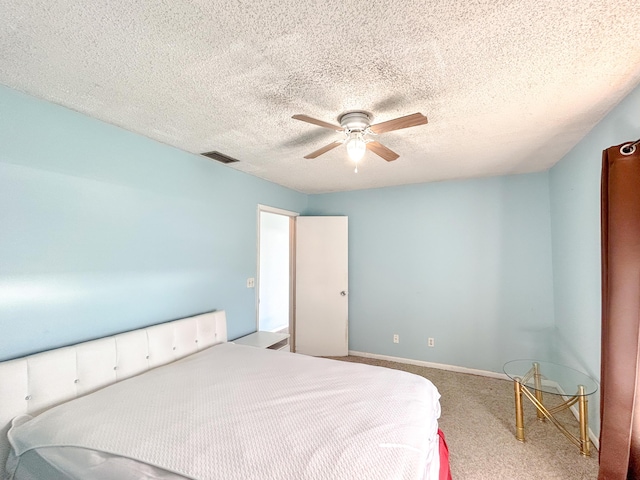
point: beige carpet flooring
(478, 422)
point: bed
(177, 401)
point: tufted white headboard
(38, 382)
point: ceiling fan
(356, 127)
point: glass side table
(533, 379)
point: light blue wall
(575, 219)
(468, 263)
(102, 230)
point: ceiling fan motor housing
(355, 121)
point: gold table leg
(538, 387)
(519, 412)
(583, 442)
(543, 413)
(583, 407)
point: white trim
(292, 284)
(472, 371)
(439, 366)
(279, 211)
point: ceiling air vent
(220, 157)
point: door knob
(343, 293)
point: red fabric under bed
(445, 469)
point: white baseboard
(454, 368)
(439, 366)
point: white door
(321, 327)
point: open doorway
(276, 238)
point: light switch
(251, 282)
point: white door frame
(292, 268)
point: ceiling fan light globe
(356, 147)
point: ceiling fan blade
(382, 151)
(317, 122)
(324, 149)
(398, 123)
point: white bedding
(236, 412)
(72, 463)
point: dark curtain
(620, 402)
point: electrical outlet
(431, 342)
(251, 282)
(396, 338)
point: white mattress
(235, 412)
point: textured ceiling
(508, 86)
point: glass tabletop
(551, 377)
